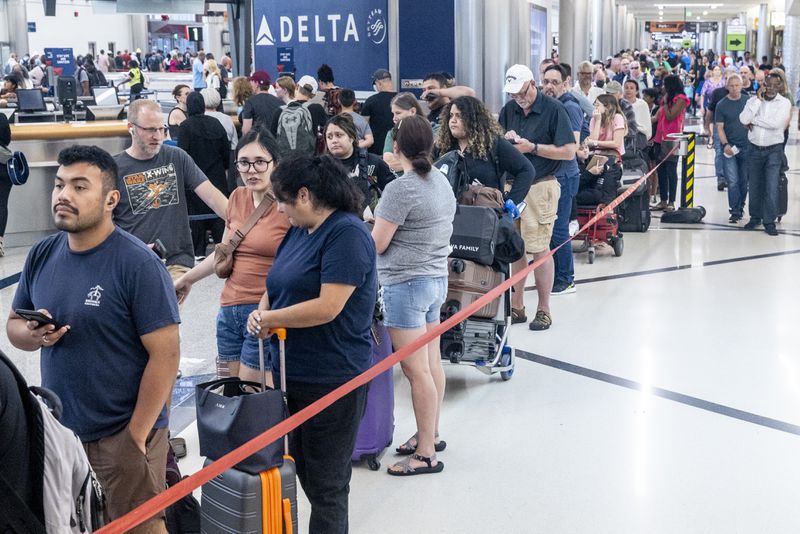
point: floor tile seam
(680, 398)
(660, 270)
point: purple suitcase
(377, 425)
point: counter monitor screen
(105, 96)
(30, 100)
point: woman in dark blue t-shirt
(322, 289)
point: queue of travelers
(307, 184)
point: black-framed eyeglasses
(162, 130)
(260, 165)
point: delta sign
(351, 37)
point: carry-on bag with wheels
(783, 195)
(241, 502)
(376, 430)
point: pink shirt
(607, 134)
(675, 125)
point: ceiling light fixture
(705, 12)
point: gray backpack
(72, 499)
(296, 131)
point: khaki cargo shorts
(536, 222)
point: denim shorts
(234, 343)
(413, 303)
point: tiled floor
(664, 399)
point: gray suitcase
(238, 502)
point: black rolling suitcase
(240, 502)
(634, 213)
(783, 195)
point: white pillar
(566, 32)
(598, 13)
(611, 9)
(17, 27)
(791, 51)
(763, 32)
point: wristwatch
(535, 150)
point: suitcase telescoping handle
(281, 333)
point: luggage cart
(481, 343)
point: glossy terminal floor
(664, 399)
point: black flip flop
(402, 450)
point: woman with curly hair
(470, 128)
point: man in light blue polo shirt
(198, 78)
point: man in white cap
(540, 128)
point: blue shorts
(413, 303)
(234, 343)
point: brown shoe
(542, 321)
(518, 315)
(661, 206)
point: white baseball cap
(516, 77)
(307, 81)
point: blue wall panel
(427, 37)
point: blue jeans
(762, 176)
(565, 271)
(413, 303)
(735, 171)
(234, 343)
(719, 155)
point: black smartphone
(160, 249)
(39, 317)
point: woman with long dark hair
(369, 172)
(322, 289)
(177, 114)
(670, 119)
(206, 141)
(468, 126)
(237, 351)
(413, 225)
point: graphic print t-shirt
(153, 200)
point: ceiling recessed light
(698, 18)
(705, 12)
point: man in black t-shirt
(438, 91)
(260, 107)
(377, 109)
(540, 128)
(714, 98)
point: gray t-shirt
(362, 126)
(424, 208)
(727, 113)
(152, 202)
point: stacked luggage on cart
(483, 244)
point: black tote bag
(231, 412)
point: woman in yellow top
(135, 80)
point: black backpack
(97, 78)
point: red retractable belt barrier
(189, 484)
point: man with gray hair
(153, 179)
(735, 145)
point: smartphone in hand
(39, 317)
(160, 249)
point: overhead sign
(687, 43)
(702, 27)
(31, 27)
(736, 38)
(665, 27)
(62, 60)
(194, 34)
(350, 36)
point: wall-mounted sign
(31, 27)
(351, 37)
(63, 61)
(665, 27)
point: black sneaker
(562, 288)
(735, 219)
(721, 185)
(770, 229)
(752, 224)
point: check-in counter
(30, 215)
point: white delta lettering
(288, 26)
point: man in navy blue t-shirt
(113, 354)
